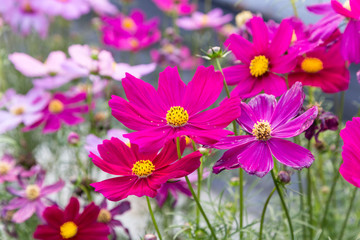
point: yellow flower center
(104, 216)
(204, 20)
(27, 7)
(187, 140)
(312, 65)
(262, 130)
(68, 230)
(128, 24)
(56, 106)
(143, 168)
(32, 192)
(259, 66)
(18, 110)
(169, 48)
(177, 116)
(133, 43)
(4, 168)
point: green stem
(293, 4)
(199, 172)
(283, 204)
(301, 204)
(347, 214)
(309, 196)
(153, 218)
(263, 213)
(193, 193)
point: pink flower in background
(93, 141)
(198, 20)
(322, 67)
(350, 168)
(26, 109)
(175, 110)
(56, 71)
(24, 16)
(61, 109)
(261, 60)
(31, 198)
(138, 173)
(70, 224)
(107, 216)
(8, 169)
(267, 122)
(130, 33)
(103, 7)
(138, 71)
(68, 9)
(178, 7)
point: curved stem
(199, 173)
(283, 204)
(347, 214)
(263, 213)
(293, 4)
(193, 193)
(153, 218)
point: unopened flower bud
(100, 116)
(325, 190)
(234, 181)
(73, 138)
(150, 237)
(284, 177)
(204, 151)
(214, 52)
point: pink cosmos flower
(8, 169)
(61, 109)
(322, 67)
(267, 122)
(350, 167)
(68, 9)
(93, 141)
(261, 61)
(175, 109)
(335, 13)
(130, 33)
(31, 198)
(24, 16)
(107, 216)
(178, 7)
(26, 109)
(139, 174)
(198, 20)
(70, 224)
(56, 71)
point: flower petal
(281, 40)
(350, 42)
(260, 34)
(236, 74)
(241, 48)
(234, 141)
(263, 106)
(52, 188)
(25, 212)
(72, 209)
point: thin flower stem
(293, 4)
(263, 213)
(153, 218)
(301, 191)
(193, 193)
(347, 214)
(225, 85)
(283, 204)
(199, 172)
(309, 196)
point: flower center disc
(134, 43)
(143, 168)
(32, 192)
(312, 65)
(259, 66)
(128, 24)
(177, 116)
(104, 216)
(4, 168)
(18, 110)
(56, 106)
(68, 230)
(262, 130)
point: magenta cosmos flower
(322, 67)
(107, 216)
(31, 198)
(130, 33)
(198, 20)
(178, 7)
(350, 168)
(139, 174)
(68, 9)
(69, 224)
(175, 109)
(267, 122)
(8, 169)
(261, 61)
(62, 109)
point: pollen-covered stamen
(104, 216)
(4, 168)
(56, 106)
(177, 116)
(32, 192)
(17, 110)
(312, 65)
(128, 24)
(259, 66)
(68, 230)
(262, 130)
(143, 168)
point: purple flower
(93, 141)
(26, 109)
(31, 198)
(8, 169)
(108, 216)
(267, 122)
